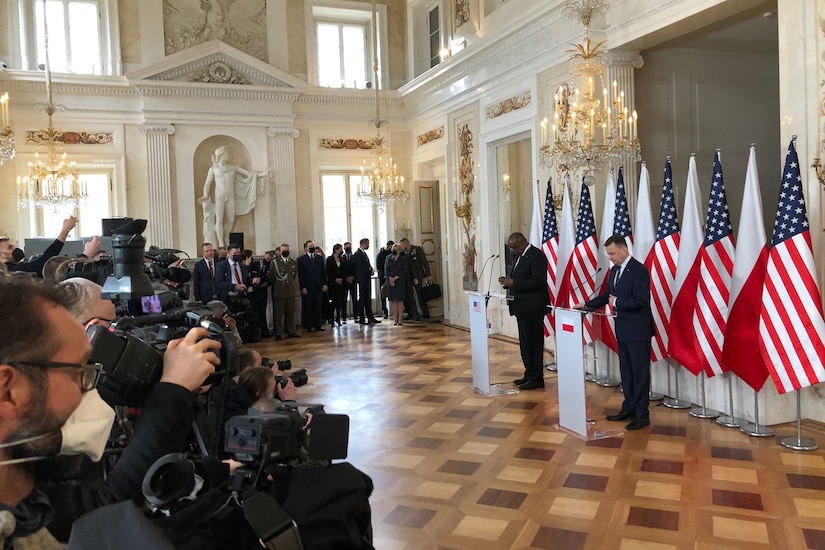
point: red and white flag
(739, 354)
(567, 238)
(661, 262)
(643, 234)
(681, 338)
(715, 269)
(791, 326)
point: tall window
(74, 35)
(90, 213)
(345, 217)
(342, 54)
(435, 37)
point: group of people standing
(325, 284)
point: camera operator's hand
(68, 224)
(189, 360)
(288, 392)
(92, 247)
(230, 321)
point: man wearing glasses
(49, 407)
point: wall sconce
(505, 186)
(444, 54)
(820, 171)
(458, 44)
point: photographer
(13, 256)
(46, 391)
(253, 384)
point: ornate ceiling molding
(219, 68)
(157, 129)
(282, 132)
(430, 135)
(347, 143)
(66, 137)
(175, 89)
(509, 105)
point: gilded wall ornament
(430, 136)
(509, 105)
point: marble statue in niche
(236, 190)
(239, 23)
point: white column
(159, 183)
(620, 67)
(285, 196)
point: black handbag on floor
(431, 292)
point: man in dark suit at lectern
(527, 284)
(628, 292)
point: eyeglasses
(90, 377)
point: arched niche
(202, 161)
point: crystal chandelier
(380, 182)
(51, 183)
(6, 135)
(590, 130)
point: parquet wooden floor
(455, 469)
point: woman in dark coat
(335, 285)
(396, 270)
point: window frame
(81, 229)
(25, 56)
(367, 28)
(379, 219)
(346, 12)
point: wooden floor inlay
(457, 470)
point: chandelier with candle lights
(591, 126)
(6, 135)
(381, 184)
(52, 182)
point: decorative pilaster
(620, 67)
(159, 180)
(285, 200)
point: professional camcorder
(131, 350)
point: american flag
(550, 247)
(661, 262)
(715, 270)
(621, 226)
(791, 327)
(578, 283)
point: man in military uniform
(283, 278)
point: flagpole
(730, 421)
(675, 402)
(703, 411)
(799, 443)
(755, 429)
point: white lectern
(479, 331)
(571, 372)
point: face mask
(85, 432)
(87, 429)
(236, 258)
(311, 250)
(285, 254)
(18, 255)
(348, 250)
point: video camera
(287, 436)
(131, 350)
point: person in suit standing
(203, 278)
(283, 278)
(261, 268)
(380, 262)
(363, 277)
(312, 278)
(628, 293)
(350, 285)
(527, 284)
(420, 268)
(337, 285)
(232, 278)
